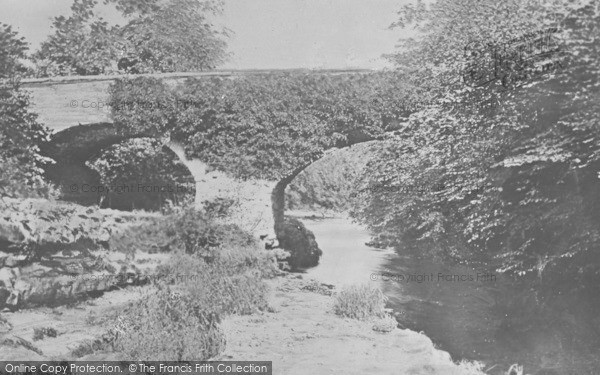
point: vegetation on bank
(331, 182)
(214, 270)
(360, 302)
(179, 318)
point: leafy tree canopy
(20, 133)
(12, 48)
(159, 36)
(514, 184)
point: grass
(184, 230)
(386, 324)
(168, 325)
(214, 270)
(360, 302)
(179, 320)
(40, 333)
(227, 286)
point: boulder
(300, 243)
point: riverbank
(304, 336)
(299, 331)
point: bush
(169, 325)
(188, 230)
(146, 162)
(386, 324)
(360, 302)
(219, 207)
(40, 333)
(200, 235)
(229, 286)
(180, 321)
(20, 134)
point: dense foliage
(20, 132)
(187, 230)
(514, 186)
(265, 126)
(158, 36)
(12, 49)
(262, 126)
(518, 182)
(143, 174)
(215, 270)
(330, 183)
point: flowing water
(456, 306)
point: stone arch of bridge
(70, 148)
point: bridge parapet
(63, 102)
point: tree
(514, 186)
(82, 43)
(173, 37)
(511, 187)
(20, 133)
(12, 49)
(159, 36)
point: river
(454, 305)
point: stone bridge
(76, 110)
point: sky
(267, 34)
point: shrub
(200, 235)
(219, 207)
(40, 333)
(360, 302)
(169, 325)
(229, 286)
(386, 324)
(151, 173)
(20, 134)
(180, 321)
(188, 230)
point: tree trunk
(278, 199)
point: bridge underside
(73, 147)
